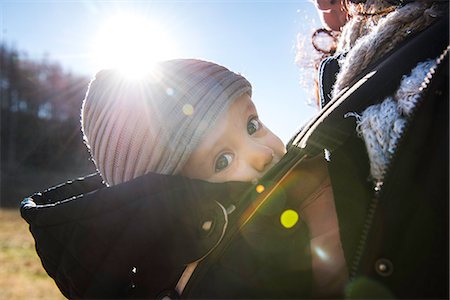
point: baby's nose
(260, 157)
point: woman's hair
(378, 26)
(374, 28)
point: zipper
(366, 228)
(378, 186)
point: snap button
(207, 226)
(384, 267)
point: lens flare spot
(260, 188)
(169, 91)
(321, 254)
(188, 109)
(289, 218)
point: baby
(187, 117)
(197, 119)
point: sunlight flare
(289, 218)
(132, 44)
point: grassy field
(21, 273)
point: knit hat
(154, 124)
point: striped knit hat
(154, 124)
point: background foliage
(41, 141)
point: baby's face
(238, 148)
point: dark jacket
(126, 241)
(134, 239)
(395, 235)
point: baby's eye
(223, 161)
(253, 125)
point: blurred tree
(41, 141)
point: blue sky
(255, 38)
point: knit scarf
(366, 39)
(382, 125)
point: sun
(132, 44)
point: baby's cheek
(241, 172)
(216, 178)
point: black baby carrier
(160, 236)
